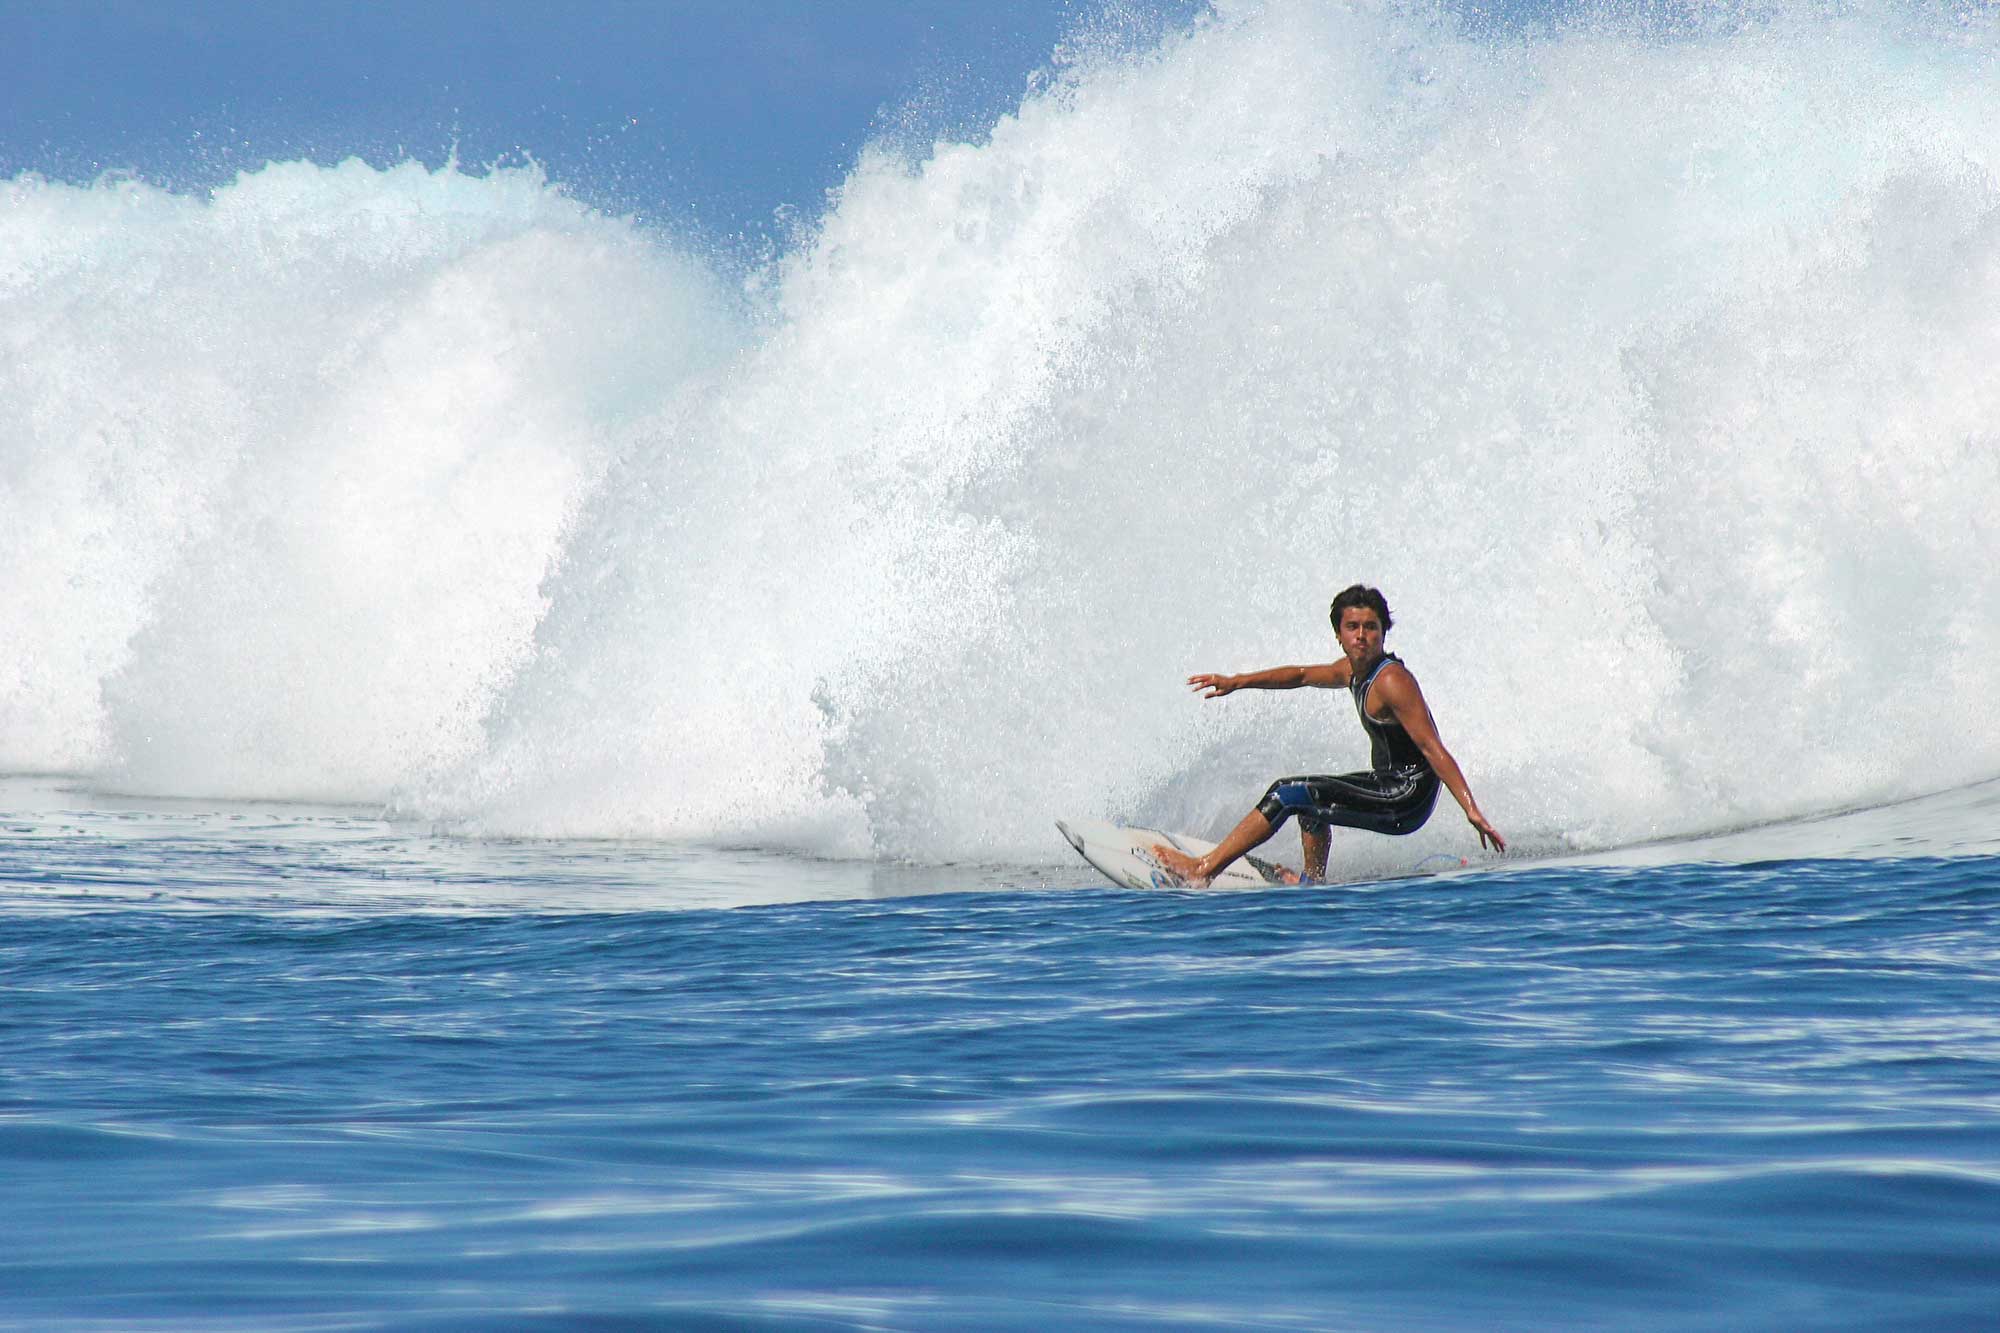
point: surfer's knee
(1281, 799)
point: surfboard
(1125, 855)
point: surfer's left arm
(1405, 698)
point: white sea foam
(286, 466)
(1649, 374)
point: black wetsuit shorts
(1382, 800)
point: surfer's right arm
(1324, 675)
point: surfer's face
(1360, 634)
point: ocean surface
(530, 739)
(273, 1067)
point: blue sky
(702, 114)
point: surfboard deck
(1124, 854)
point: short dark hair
(1360, 595)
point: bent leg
(1393, 801)
(1253, 829)
(1314, 839)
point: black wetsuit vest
(1389, 746)
(1396, 796)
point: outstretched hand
(1487, 833)
(1211, 686)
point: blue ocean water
(253, 1080)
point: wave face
(1649, 374)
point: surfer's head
(1360, 596)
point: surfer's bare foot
(1180, 865)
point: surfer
(1408, 760)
